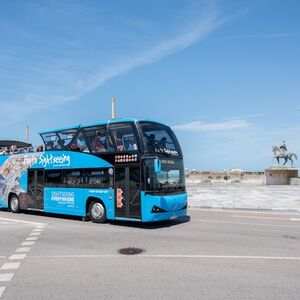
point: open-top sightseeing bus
(121, 169)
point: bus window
(53, 178)
(99, 139)
(65, 138)
(73, 178)
(124, 136)
(50, 140)
(79, 144)
(158, 138)
(98, 178)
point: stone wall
(280, 175)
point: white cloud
(199, 126)
(262, 35)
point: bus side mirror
(157, 165)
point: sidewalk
(239, 196)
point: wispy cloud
(72, 84)
(199, 126)
(250, 116)
(262, 36)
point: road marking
(295, 219)
(10, 266)
(37, 230)
(170, 256)
(40, 226)
(259, 217)
(20, 221)
(35, 233)
(18, 256)
(2, 289)
(244, 223)
(28, 243)
(31, 238)
(238, 211)
(6, 277)
(23, 249)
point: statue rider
(283, 148)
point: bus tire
(97, 212)
(14, 204)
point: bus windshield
(159, 139)
(169, 180)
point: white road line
(10, 266)
(172, 256)
(21, 221)
(23, 249)
(31, 238)
(40, 226)
(34, 233)
(238, 211)
(295, 219)
(37, 230)
(18, 256)
(2, 289)
(28, 243)
(244, 223)
(259, 217)
(6, 276)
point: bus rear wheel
(14, 204)
(97, 212)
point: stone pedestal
(280, 175)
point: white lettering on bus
(62, 160)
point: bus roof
(121, 120)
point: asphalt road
(211, 255)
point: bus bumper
(160, 208)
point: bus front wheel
(97, 212)
(14, 204)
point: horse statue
(279, 153)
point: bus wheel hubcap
(97, 210)
(14, 203)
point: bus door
(35, 189)
(128, 191)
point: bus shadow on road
(151, 225)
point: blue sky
(224, 74)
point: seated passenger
(74, 147)
(162, 142)
(118, 140)
(49, 145)
(97, 143)
(40, 148)
(60, 144)
(151, 142)
(13, 149)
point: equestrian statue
(282, 152)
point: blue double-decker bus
(121, 169)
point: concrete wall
(295, 181)
(279, 176)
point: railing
(13, 150)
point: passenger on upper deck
(60, 144)
(162, 142)
(151, 142)
(98, 143)
(49, 145)
(118, 140)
